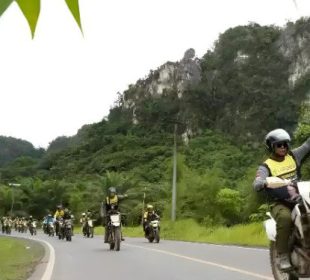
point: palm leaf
(31, 11)
(73, 6)
(4, 4)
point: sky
(52, 85)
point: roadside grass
(18, 258)
(188, 230)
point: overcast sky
(54, 84)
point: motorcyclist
(58, 214)
(83, 221)
(285, 164)
(49, 219)
(111, 203)
(148, 216)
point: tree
(31, 11)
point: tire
(117, 236)
(112, 245)
(157, 237)
(277, 273)
(91, 232)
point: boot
(284, 262)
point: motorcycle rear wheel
(157, 237)
(277, 273)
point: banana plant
(31, 11)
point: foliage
(221, 123)
(31, 10)
(19, 257)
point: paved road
(169, 260)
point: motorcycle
(89, 228)
(60, 228)
(7, 226)
(67, 229)
(50, 229)
(33, 228)
(299, 242)
(153, 231)
(114, 230)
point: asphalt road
(86, 258)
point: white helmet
(276, 136)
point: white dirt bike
(114, 230)
(299, 241)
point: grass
(18, 258)
(188, 230)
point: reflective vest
(113, 200)
(286, 169)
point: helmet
(149, 207)
(112, 191)
(276, 136)
(59, 206)
(30, 217)
(83, 214)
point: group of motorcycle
(20, 225)
(62, 228)
(115, 234)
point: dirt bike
(299, 242)
(89, 228)
(153, 231)
(114, 230)
(7, 226)
(33, 228)
(67, 229)
(50, 229)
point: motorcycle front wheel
(277, 273)
(117, 236)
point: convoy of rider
(61, 223)
(278, 177)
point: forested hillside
(218, 107)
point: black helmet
(276, 136)
(112, 191)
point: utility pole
(143, 205)
(13, 199)
(174, 179)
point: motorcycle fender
(270, 228)
(116, 224)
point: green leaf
(4, 5)
(73, 6)
(31, 11)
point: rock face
(176, 75)
(173, 78)
(295, 45)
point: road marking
(51, 261)
(205, 262)
(51, 258)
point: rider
(148, 216)
(285, 164)
(58, 215)
(111, 203)
(83, 222)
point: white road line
(259, 276)
(51, 261)
(51, 257)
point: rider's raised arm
(302, 151)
